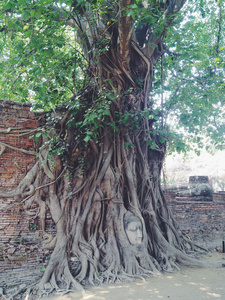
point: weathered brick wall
(203, 221)
(21, 256)
(14, 164)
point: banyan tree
(103, 144)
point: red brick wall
(203, 221)
(21, 256)
(14, 164)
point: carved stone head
(133, 228)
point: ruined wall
(21, 256)
(203, 221)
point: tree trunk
(111, 216)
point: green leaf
(87, 138)
(33, 12)
(127, 144)
(26, 15)
(38, 134)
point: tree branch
(125, 32)
(173, 7)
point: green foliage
(42, 61)
(150, 13)
(37, 135)
(95, 116)
(193, 72)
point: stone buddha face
(133, 228)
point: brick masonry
(22, 256)
(203, 220)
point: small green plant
(33, 226)
(37, 135)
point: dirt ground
(187, 284)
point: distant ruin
(197, 186)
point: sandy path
(188, 284)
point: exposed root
(23, 290)
(193, 246)
(18, 131)
(49, 241)
(3, 147)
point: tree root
(49, 241)
(23, 290)
(4, 146)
